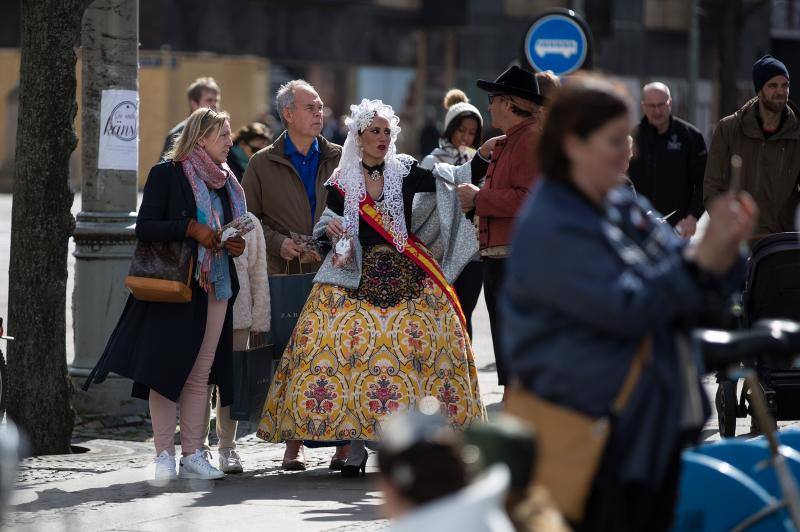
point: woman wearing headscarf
(382, 327)
(172, 350)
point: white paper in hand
(230, 232)
(342, 252)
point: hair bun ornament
(361, 116)
(453, 97)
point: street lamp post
(104, 232)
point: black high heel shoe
(353, 470)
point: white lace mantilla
(349, 177)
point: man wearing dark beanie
(765, 133)
(765, 69)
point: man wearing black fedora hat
(514, 104)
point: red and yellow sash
(414, 250)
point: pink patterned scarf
(204, 174)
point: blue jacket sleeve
(153, 222)
(582, 278)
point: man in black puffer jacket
(669, 161)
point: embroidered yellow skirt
(359, 356)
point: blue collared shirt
(306, 166)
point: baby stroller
(772, 290)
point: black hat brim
(491, 86)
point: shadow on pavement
(313, 490)
(302, 489)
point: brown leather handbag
(571, 443)
(161, 272)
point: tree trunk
(728, 54)
(39, 388)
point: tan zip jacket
(276, 195)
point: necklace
(373, 172)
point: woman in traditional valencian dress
(382, 327)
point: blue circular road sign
(559, 42)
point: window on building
(400, 4)
(530, 8)
(389, 84)
(671, 15)
(786, 18)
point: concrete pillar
(104, 232)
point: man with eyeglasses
(514, 105)
(284, 185)
(669, 161)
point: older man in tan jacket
(284, 188)
(284, 182)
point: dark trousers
(613, 505)
(494, 273)
(468, 288)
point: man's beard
(775, 106)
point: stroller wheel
(726, 408)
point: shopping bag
(288, 294)
(252, 373)
(570, 443)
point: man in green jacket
(765, 133)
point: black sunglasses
(493, 95)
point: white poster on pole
(119, 130)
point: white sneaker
(207, 455)
(165, 466)
(196, 466)
(229, 461)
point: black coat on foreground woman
(156, 344)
